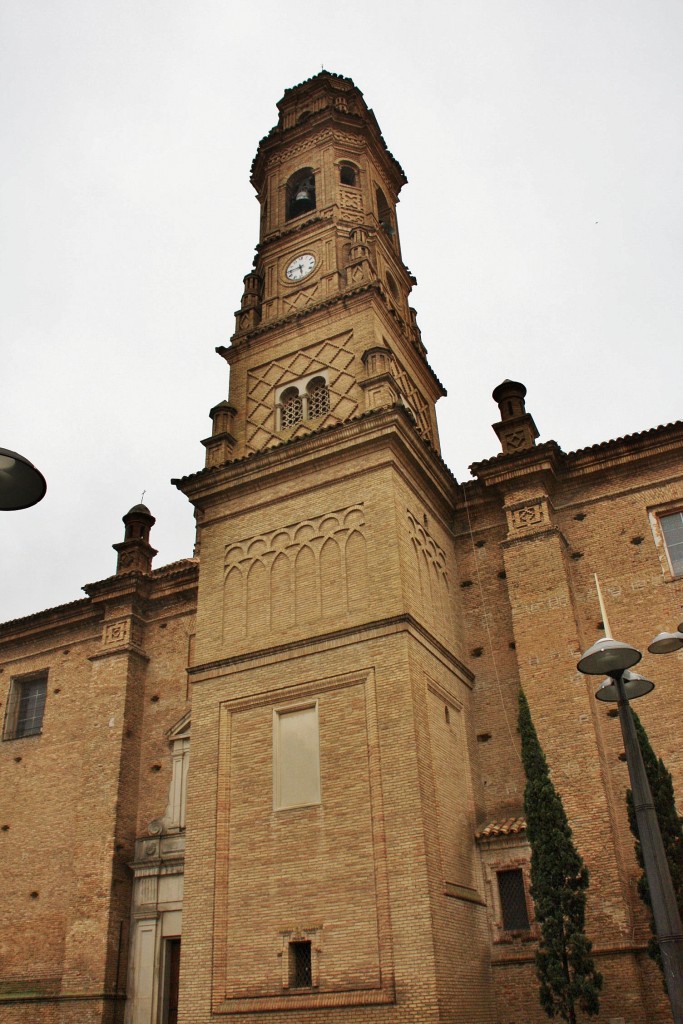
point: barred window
(25, 707)
(300, 966)
(318, 398)
(291, 408)
(304, 399)
(513, 900)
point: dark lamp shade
(21, 484)
(607, 656)
(634, 686)
(665, 643)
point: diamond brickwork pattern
(415, 399)
(332, 356)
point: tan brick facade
(343, 572)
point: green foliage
(662, 789)
(559, 880)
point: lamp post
(614, 659)
(21, 484)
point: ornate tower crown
(324, 331)
(324, 166)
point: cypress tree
(662, 789)
(559, 879)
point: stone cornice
(128, 650)
(129, 584)
(365, 122)
(247, 338)
(72, 616)
(544, 533)
(337, 638)
(658, 441)
(543, 458)
(654, 443)
(392, 425)
(87, 612)
(146, 586)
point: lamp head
(635, 686)
(666, 643)
(606, 656)
(21, 484)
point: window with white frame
(25, 706)
(296, 756)
(672, 532)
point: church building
(281, 780)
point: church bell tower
(330, 865)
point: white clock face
(300, 267)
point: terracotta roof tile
(509, 827)
(626, 438)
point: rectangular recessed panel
(296, 766)
(310, 866)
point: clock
(300, 267)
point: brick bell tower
(330, 862)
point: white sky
(543, 143)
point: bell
(303, 199)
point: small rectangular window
(672, 530)
(513, 900)
(25, 707)
(296, 757)
(300, 966)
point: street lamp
(614, 659)
(21, 484)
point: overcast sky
(543, 220)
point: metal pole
(663, 898)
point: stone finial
(220, 445)
(135, 553)
(248, 316)
(516, 430)
(379, 383)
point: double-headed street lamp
(615, 659)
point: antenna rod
(603, 610)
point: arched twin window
(307, 404)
